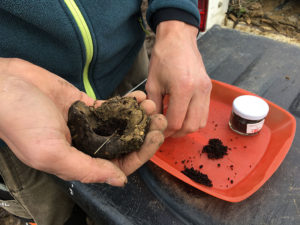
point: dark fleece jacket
(46, 33)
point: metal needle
(107, 140)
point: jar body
(245, 126)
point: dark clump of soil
(197, 176)
(116, 128)
(215, 149)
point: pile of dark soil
(197, 176)
(215, 149)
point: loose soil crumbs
(215, 149)
(197, 176)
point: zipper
(142, 26)
(88, 43)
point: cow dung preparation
(114, 129)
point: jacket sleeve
(182, 10)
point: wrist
(176, 29)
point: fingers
(196, 116)
(153, 140)
(139, 95)
(193, 115)
(134, 160)
(176, 112)
(155, 96)
(149, 106)
(158, 122)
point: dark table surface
(263, 66)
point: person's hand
(33, 115)
(176, 69)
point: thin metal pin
(108, 139)
(136, 87)
(104, 143)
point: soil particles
(215, 149)
(116, 128)
(197, 176)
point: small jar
(248, 114)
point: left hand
(176, 69)
(33, 123)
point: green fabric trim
(142, 26)
(88, 43)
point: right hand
(176, 69)
(33, 115)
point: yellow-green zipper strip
(88, 43)
(142, 26)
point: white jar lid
(250, 107)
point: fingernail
(120, 181)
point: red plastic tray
(251, 160)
